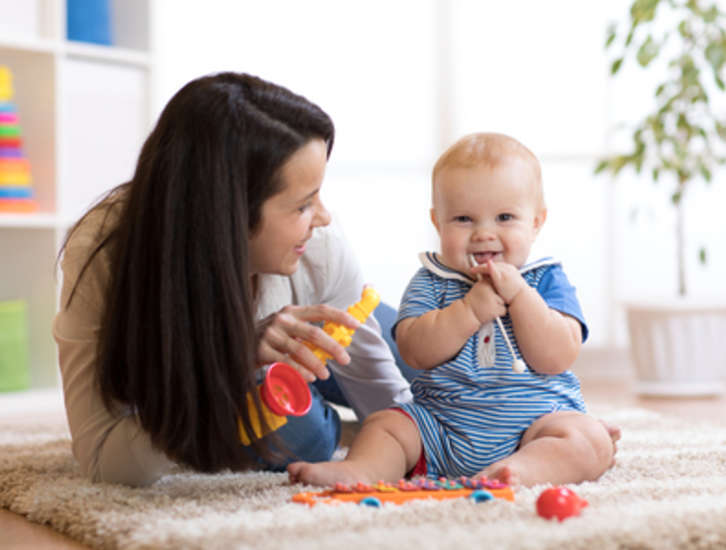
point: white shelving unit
(84, 112)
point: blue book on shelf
(89, 21)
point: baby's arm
(436, 336)
(549, 340)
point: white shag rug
(668, 490)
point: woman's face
(289, 217)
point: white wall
(403, 79)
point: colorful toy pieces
(16, 193)
(477, 489)
(343, 335)
(560, 503)
(555, 502)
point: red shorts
(419, 468)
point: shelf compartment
(103, 125)
(29, 275)
(129, 26)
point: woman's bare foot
(326, 474)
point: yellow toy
(283, 391)
(343, 335)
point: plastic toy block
(342, 334)
(478, 489)
(18, 206)
(15, 192)
(6, 84)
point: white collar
(431, 261)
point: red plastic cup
(285, 391)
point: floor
(612, 390)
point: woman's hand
(282, 337)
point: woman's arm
(330, 274)
(110, 447)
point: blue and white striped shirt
(472, 410)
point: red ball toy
(560, 503)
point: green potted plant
(678, 143)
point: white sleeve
(371, 381)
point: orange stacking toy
(16, 193)
(359, 311)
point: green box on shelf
(13, 346)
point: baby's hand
(484, 302)
(507, 280)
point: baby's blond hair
(488, 149)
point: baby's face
(491, 212)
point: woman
(213, 261)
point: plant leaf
(715, 53)
(702, 255)
(631, 34)
(601, 166)
(684, 30)
(611, 34)
(710, 15)
(643, 10)
(615, 67)
(647, 52)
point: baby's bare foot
(504, 473)
(325, 474)
(614, 433)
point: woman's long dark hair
(178, 341)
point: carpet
(667, 490)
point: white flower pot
(678, 349)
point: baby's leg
(387, 446)
(560, 447)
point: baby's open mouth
(482, 257)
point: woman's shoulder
(98, 222)
(329, 271)
(82, 251)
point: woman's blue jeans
(315, 436)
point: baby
(472, 413)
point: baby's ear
(539, 219)
(434, 219)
